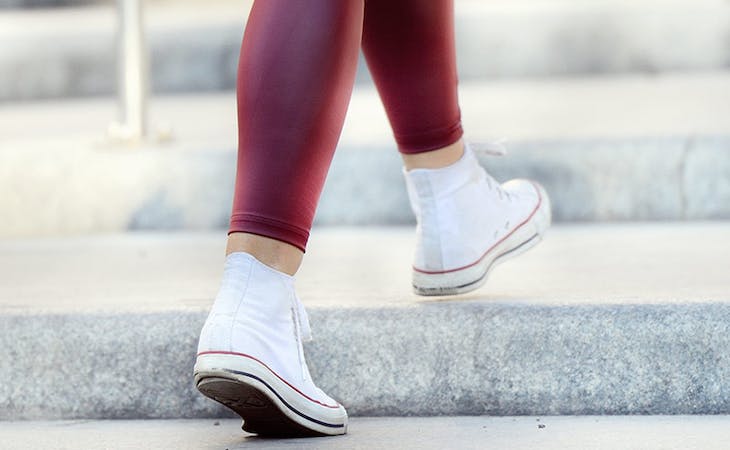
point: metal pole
(133, 68)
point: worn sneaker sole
(468, 278)
(268, 405)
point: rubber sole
(475, 275)
(259, 413)
(268, 405)
(479, 282)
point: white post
(132, 72)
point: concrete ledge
(481, 358)
(668, 178)
(656, 148)
(596, 320)
(61, 188)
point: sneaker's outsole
(268, 405)
(472, 277)
(259, 413)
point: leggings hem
(271, 228)
(430, 140)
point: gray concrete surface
(649, 263)
(463, 433)
(620, 319)
(70, 52)
(656, 148)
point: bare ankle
(277, 254)
(434, 159)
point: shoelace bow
(492, 148)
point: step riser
(163, 188)
(492, 41)
(457, 358)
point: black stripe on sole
(260, 414)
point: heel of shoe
(260, 414)
(268, 404)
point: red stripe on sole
(215, 352)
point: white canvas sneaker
(250, 355)
(467, 223)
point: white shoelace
(303, 331)
(303, 319)
(492, 148)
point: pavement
(598, 319)
(480, 432)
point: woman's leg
(409, 46)
(295, 78)
(466, 221)
(296, 73)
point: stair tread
(643, 263)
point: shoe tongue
(266, 278)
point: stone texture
(706, 178)
(88, 189)
(596, 320)
(632, 179)
(436, 359)
(664, 158)
(588, 179)
(501, 360)
(131, 366)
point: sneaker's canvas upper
(257, 313)
(462, 212)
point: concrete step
(620, 319)
(464, 433)
(194, 46)
(613, 148)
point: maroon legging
(295, 77)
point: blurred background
(621, 108)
